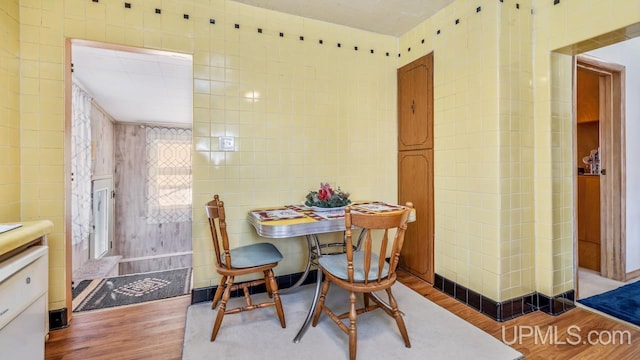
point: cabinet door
(588, 95)
(415, 104)
(415, 184)
(589, 222)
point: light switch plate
(226, 143)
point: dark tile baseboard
(58, 319)
(284, 281)
(499, 311)
(508, 309)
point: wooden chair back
(218, 227)
(371, 222)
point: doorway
(599, 148)
(137, 106)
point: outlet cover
(226, 143)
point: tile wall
(315, 104)
(483, 143)
(9, 111)
(570, 27)
(305, 112)
(502, 134)
(517, 259)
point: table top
(298, 220)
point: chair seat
(337, 266)
(254, 255)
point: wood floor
(155, 331)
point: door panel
(415, 105)
(415, 182)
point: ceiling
(380, 16)
(156, 86)
(140, 87)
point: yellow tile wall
(302, 112)
(9, 111)
(483, 143)
(517, 270)
(504, 198)
(42, 119)
(571, 27)
(322, 113)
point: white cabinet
(23, 304)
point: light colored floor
(591, 283)
(97, 269)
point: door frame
(613, 161)
(68, 80)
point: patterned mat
(132, 289)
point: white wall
(628, 54)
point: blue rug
(622, 303)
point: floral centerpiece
(326, 197)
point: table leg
(316, 296)
(306, 269)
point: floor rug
(622, 303)
(435, 333)
(134, 289)
(78, 289)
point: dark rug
(78, 288)
(622, 303)
(137, 288)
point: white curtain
(168, 165)
(80, 166)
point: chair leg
(272, 288)
(320, 305)
(223, 307)
(353, 333)
(218, 293)
(267, 284)
(399, 320)
(365, 298)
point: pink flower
(325, 192)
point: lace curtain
(80, 166)
(168, 165)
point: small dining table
(299, 220)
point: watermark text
(573, 335)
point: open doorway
(617, 261)
(130, 140)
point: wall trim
(58, 319)
(632, 275)
(508, 309)
(498, 311)
(284, 281)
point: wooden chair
(254, 258)
(364, 271)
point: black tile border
(58, 319)
(284, 281)
(508, 309)
(498, 311)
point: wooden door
(415, 104)
(589, 222)
(415, 163)
(415, 184)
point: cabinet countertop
(29, 231)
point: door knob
(603, 171)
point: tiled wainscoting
(509, 309)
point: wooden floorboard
(155, 331)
